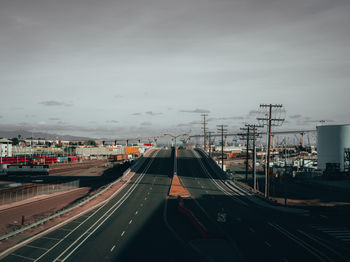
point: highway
(226, 223)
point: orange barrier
(177, 189)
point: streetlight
(175, 137)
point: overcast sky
(111, 68)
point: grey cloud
(253, 113)
(114, 121)
(152, 113)
(197, 110)
(146, 123)
(54, 103)
(226, 118)
(183, 124)
(295, 116)
(188, 124)
(247, 52)
(318, 121)
(118, 96)
(136, 114)
(54, 118)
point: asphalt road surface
(223, 222)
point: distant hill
(27, 134)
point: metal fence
(24, 192)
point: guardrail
(12, 194)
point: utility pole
(270, 122)
(247, 151)
(209, 137)
(254, 136)
(205, 131)
(250, 136)
(222, 130)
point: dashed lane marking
(28, 258)
(141, 204)
(136, 212)
(64, 229)
(130, 221)
(113, 247)
(42, 248)
(51, 238)
(251, 230)
(268, 244)
(122, 233)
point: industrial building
(333, 147)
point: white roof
(5, 141)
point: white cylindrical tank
(331, 142)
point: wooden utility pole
(269, 120)
(205, 131)
(222, 130)
(254, 136)
(246, 135)
(209, 137)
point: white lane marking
(87, 216)
(118, 204)
(65, 229)
(151, 188)
(51, 238)
(285, 260)
(136, 212)
(141, 204)
(323, 216)
(251, 230)
(147, 193)
(122, 233)
(28, 258)
(268, 244)
(31, 246)
(145, 198)
(206, 191)
(113, 247)
(316, 252)
(130, 221)
(316, 239)
(196, 154)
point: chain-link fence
(10, 195)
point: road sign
(221, 217)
